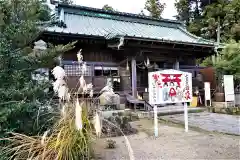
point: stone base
(222, 104)
(224, 107)
(170, 110)
(219, 97)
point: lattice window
(75, 70)
(105, 71)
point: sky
(130, 6)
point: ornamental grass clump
(62, 142)
(71, 136)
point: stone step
(169, 111)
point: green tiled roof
(97, 22)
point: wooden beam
(144, 46)
(167, 42)
(110, 64)
(123, 61)
(172, 53)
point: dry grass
(64, 141)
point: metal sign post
(186, 117)
(155, 121)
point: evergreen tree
(202, 17)
(155, 8)
(229, 62)
(224, 14)
(183, 8)
(204, 3)
(21, 98)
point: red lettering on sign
(175, 79)
(155, 77)
(187, 95)
(166, 78)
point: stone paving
(222, 123)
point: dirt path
(172, 143)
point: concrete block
(121, 106)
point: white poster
(207, 91)
(169, 86)
(229, 88)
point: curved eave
(196, 37)
(126, 37)
(171, 41)
(77, 35)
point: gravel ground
(224, 123)
(172, 143)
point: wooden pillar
(60, 60)
(134, 78)
(125, 81)
(177, 64)
(164, 65)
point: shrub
(120, 125)
(69, 137)
(111, 144)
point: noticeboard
(229, 88)
(169, 86)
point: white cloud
(131, 6)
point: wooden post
(186, 116)
(177, 65)
(134, 79)
(164, 65)
(155, 121)
(60, 60)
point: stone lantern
(40, 45)
(41, 75)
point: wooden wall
(102, 54)
(94, 55)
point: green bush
(121, 124)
